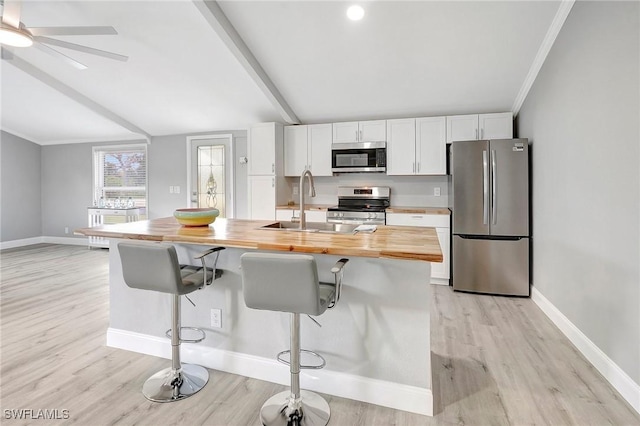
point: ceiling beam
(71, 93)
(216, 18)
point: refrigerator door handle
(485, 189)
(494, 171)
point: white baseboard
(440, 281)
(372, 391)
(21, 243)
(44, 240)
(70, 241)
(620, 380)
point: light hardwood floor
(496, 360)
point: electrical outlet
(436, 191)
(295, 189)
(176, 189)
(66, 229)
(216, 318)
(171, 190)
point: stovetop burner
(360, 205)
(358, 208)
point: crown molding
(541, 56)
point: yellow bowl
(196, 217)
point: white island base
(376, 341)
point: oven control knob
(341, 214)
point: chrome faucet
(312, 193)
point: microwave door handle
(485, 189)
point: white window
(120, 176)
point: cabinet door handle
(414, 168)
(481, 133)
(356, 136)
(273, 182)
(476, 134)
(418, 167)
(273, 168)
(360, 138)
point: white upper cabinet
(295, 150)
(496, 126)
(360, 131)
(431, 146)
(462, 128)
(307, 147)
(319, 149)
(416, 146)
(264, 148)
(401, 146)
(479, 126)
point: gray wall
(168, 167)
(67, 180)
(20, 204)
(582, 116)
(66, 188)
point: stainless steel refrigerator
(491, 231)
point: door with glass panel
(211, 170)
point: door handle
(494, 171)
(485, 189)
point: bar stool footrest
(282, 360)
(168, 334)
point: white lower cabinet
(440, 272)
(262, 197)
(311, 215)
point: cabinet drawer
(426, 220)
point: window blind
(120, 173)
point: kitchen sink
(329, 228)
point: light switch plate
(216, 318)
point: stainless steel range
(360, 205)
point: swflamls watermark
(36, 414)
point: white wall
(406, 191)
(582, 116)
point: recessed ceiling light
(355, 13)
(14, 37)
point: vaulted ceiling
(184, 75)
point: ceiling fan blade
(6, 54)
(49, 31)
(59, 55)
(11, 13)
(81, 48)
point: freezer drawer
(491, 266)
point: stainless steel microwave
(359, 157)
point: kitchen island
(376, 340)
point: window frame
(100, 189)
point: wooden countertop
(391, 209)
(419, 210)
(391, 242)
(322, 207)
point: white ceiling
(404, 59)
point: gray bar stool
(155, 267)
(289, 283)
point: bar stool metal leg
(180, 380)
(295, 407)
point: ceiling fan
(14, 33)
